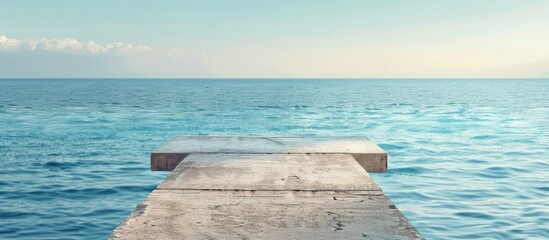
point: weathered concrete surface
(369, 155)
(267, 196)
(196, 214)
(304, 172)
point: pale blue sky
(482, 38)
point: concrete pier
(283, 190)
(368, 154)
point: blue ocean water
(468, 158)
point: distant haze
(274, 39)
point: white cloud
(72, 58)
(68, 45)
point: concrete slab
(305, 172)
(267, 188)
(198, 214)
(370, 156)
(267, 196)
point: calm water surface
(468, 159)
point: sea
(468, 158)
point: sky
(274, 39)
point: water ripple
(467, 160)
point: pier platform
(267, 188)
(368, 154)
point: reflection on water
(467, 158)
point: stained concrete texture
(269, 172)
(267, 196)
(197, 214)
(369, 155)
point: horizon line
(266, 78)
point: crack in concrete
(275, 141)
(338, 224)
